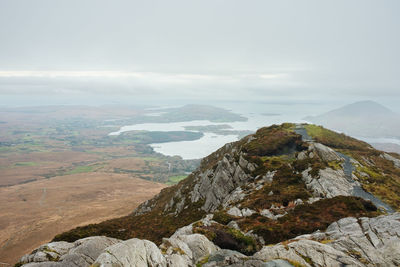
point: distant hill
(362, 119)
(387, 147)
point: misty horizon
(97, 52)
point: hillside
(363, 119)
(250, 197)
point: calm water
(210, 141)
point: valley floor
(34, 213)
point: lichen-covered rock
(234, 197)
(349, 241)
(194, 246)
(48, 252)
(235, 211)
(247, 212)
(214, 186)
(176, 260)
(81, 253)
(324, 152)
(329, 183)
(224, 257)
(132, 252)
(267, 213)
(277, 263)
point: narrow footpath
(348, 169)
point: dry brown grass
(34, 213)
(44, 163)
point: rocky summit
(288, 195)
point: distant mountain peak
(364, 119)
(365, 107)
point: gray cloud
(201, 49)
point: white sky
(234, 50)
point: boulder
(329, 183)
(176, 260)
(324, 152)
(267, 213)
(234, 211)
(199, 245)
(224, 257)
(132, 252)
(81, 253)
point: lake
(259, 115)
(210, 141)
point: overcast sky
(234, 50)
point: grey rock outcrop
(82, 252)
(324, 152)
(347, 242)
(214, 186)
(235, 211)
(329, 183)
(350, 241)
(132, 252)
(190, 248)
(178, 250)
(225, 257)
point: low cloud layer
(232, 50)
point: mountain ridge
(262, 190)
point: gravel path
(358, 191)
(348, 169)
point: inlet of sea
(210, 142)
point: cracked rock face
(349, 241)
(215, 186)
(324, 152)
(183, 248)
(132, 252)
(329, 183)
(82, 252)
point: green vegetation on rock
(175, 179)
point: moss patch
(222, 217)
(335, 140)
(175, 179)
(229, 238)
